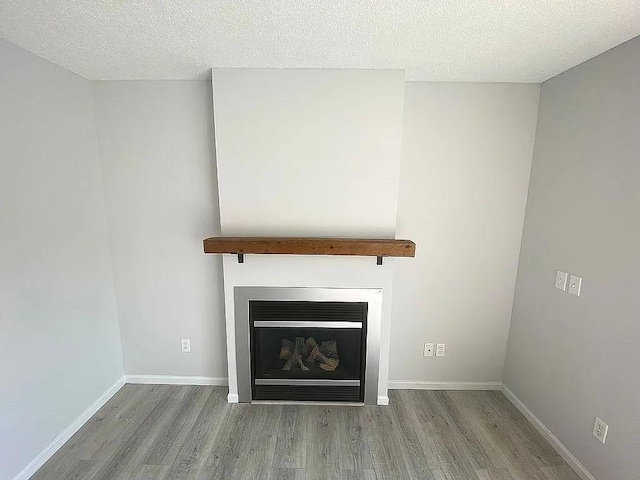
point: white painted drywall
(572, 358)
(59, 347)
(308, 152)
(466, 157)
(158, 166)
(303, 153)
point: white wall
(572, 358)
(308, 152)
(59, 347)
(158, 166)
(466, 157)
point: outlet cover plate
(185, 345)
(600, 430)
(440, 350)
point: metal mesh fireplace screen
(312, 351)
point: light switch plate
(428, 350)
(575, 284)
(561, 280)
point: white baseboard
(177, 380)
(563, 451)
(68, 432)
(419, 385)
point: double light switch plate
(568, 283)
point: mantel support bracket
(241, 258)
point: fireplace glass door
(308, 350)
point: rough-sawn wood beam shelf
(310, 246)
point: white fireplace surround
(371, 296)
(282, 277)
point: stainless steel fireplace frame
(372, 296)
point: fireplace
(307, 344)
(308, 350)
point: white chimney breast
(308, 152)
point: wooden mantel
(310, 246)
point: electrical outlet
(440, 350)
(575, 284)
(428, 350)
(600, 430)
(185, 344)
(561, 280)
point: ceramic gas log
(297, 353)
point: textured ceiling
(436, 40)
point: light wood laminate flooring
(165, 432)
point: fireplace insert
(308, 350)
